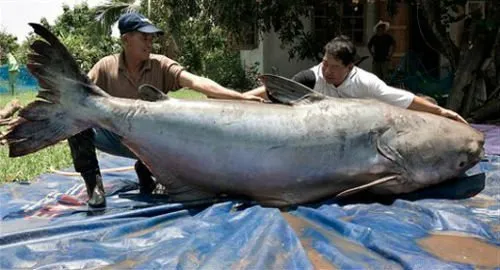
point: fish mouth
(481, 156)
(475, 159)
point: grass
(186, 94)
(57, 156)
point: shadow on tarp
(454, 189)
(47, 225)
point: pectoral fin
(390, 143)
(369, 185)
(148, 92)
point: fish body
(308, 148)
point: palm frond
(149, 8)
(108, 13)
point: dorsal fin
(148, 92)
(286, 91)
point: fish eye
(462, 161)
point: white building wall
(272, 58)
(277, 60)
(250, 57)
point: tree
(284, 17)
(109, 13)
(232, 17)
(76, 28)
(475, 59)
(191, 38)
(8, 43)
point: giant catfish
(308, 148)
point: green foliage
(109, 12)
(28, 167)
(57, 156)
(191, 38)
(225, 68)
(205, 51)
(8, 43)
(237, 16)
(87, 53)
(76, 28)
(284, 17)
(24, 49)
(195, 42)
(186, 94)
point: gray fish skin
(280, 155)
(276, 154)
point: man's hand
(252, 98)
(452, 115)
(424, 105)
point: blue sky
(16, 14)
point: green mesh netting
(411, 74)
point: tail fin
(63, 87)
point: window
(353, 22)
(475, 6)
(326, 20)
(332, 18)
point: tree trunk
(433, 13)
(490, 112)
(476, 95)
(471, 59)
(496, 55)
(472, 86)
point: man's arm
(421, 104)
(259, 91)
(211, 88)
(378, 89)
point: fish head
(427, 156)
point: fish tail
(56, 114)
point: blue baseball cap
(130, 22)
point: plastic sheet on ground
(46, 225)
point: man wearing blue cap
(121, 75)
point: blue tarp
(24, 80)
(46, 225)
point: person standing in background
(13, 67)
(381, 47)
